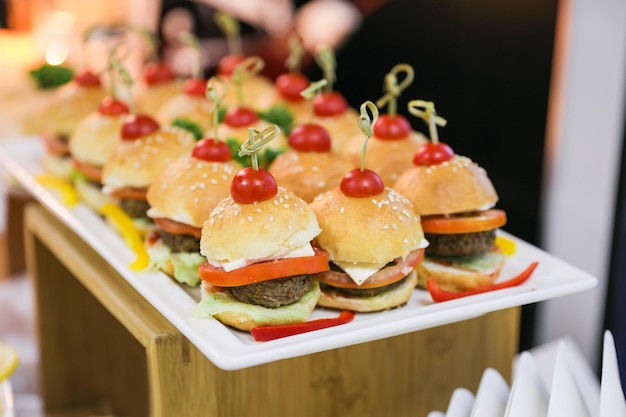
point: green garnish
(189, 126)
(278, 115)
(49, 76)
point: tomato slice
(53, 144)
(131, 193)
(177, 228)
(88, 170)
(464, 223)
(385, 276)
(265, 271)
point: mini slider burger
(309, 167)
(181, 199)
(391, 149)
(456, 200)
(93, 140)
(373, 238)
(144, 151)
(73, 103)
(260, 261)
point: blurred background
(533, 90)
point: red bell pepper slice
(439, 294)
(266, 333)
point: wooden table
(106, 350)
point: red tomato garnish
(87, 79)
(131, 193)
(250, 186)
(439, 294)
(310, 137)
(195, 87)
(330, 103)
(267, 333)
(291, 84)
(366, 183)
(385, 276)
(392, 127)
(88, 170)
(138, 125)
(227, 64)
(453, 224)
(240, 117)
(265, 270)
(157, 72)
(177, 228)
(211, 150)
(433, 154)
(110, 106)
(53, 144)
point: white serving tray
(231, 349)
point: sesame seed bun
(183, 106)
(258, 93)
(308, 174)
(452, 278)
(138, 162)
(150, 98)
(454, 186)
(189, 188)
(95, 137)
(373, 230)
(73, 104)
(59, 166)
(388, 158)
(260, 230)
(342, 128)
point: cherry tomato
(291, 84)
(227, 64)
(87, 79)
(310, 137)
(195, 87)
(366, 183)
(110, 106)
(453, 224)
(157, 72)
(433, 154)
(392, 127)
(212, 150)
(251, 186)
(264, 271)
(138, 125)
(330, 103)
(240, 117)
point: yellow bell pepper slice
(125, 226)
(64, 188)
(507, 246)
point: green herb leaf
(49, 76)
(280, 116)
(190, 126)
(234, 145)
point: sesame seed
(212, 181)
(271, 217)
(342, 210)
(196, 200)
(258, 210)
(394, 226)
(250, 218)
(286, 205)
(386, 227)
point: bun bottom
(384, 301)
(59, 166)
(450, 278)
(92, 195)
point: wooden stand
(12, 259)
(105, 349)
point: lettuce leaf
(186, 264)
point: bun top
(183, 106)
(342, 128)
(269, 228)
(138, 162)
(73, 104)
(455, 186)
(150, 98)
(308, 174)
(372, 230)
(95, 137)
(258, 93)
(189, 188)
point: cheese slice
(359, 272)
(301, 251)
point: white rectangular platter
(231, 349)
